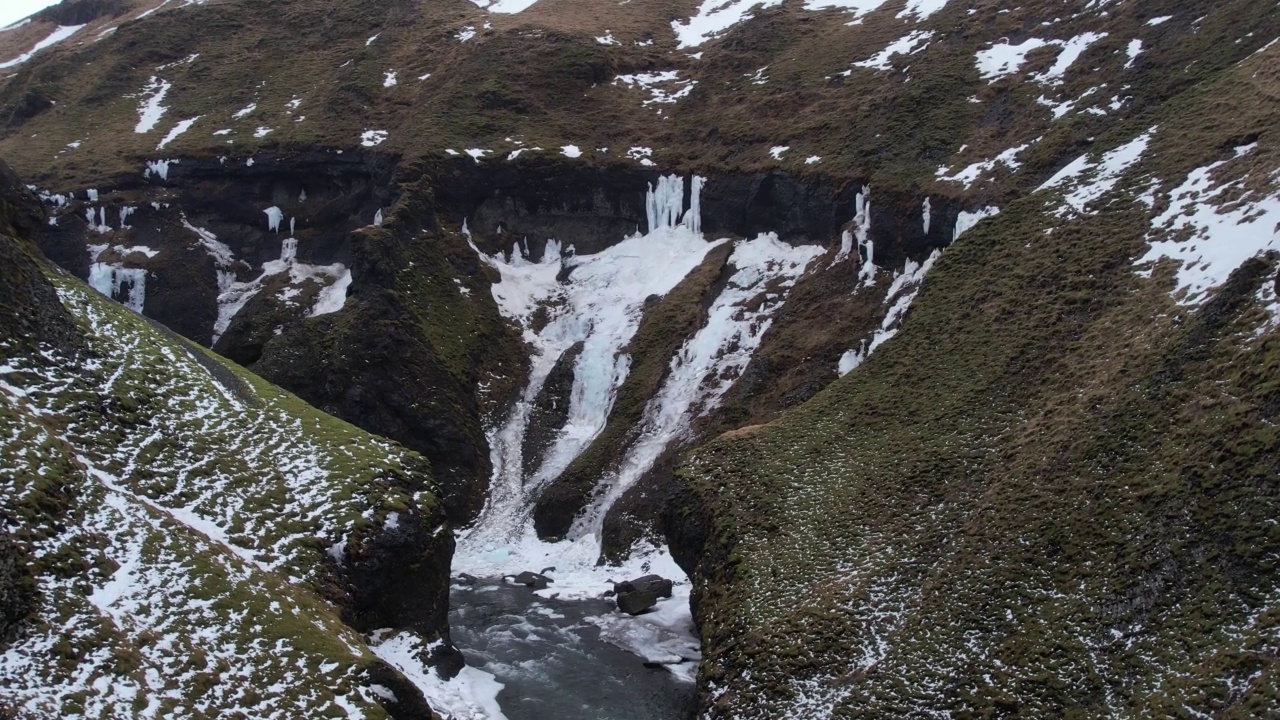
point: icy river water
(553, 662)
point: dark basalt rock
(550, 411)
(534, 580)
(636, 601)
(655, 584)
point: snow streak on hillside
(200, 499)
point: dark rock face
(398, 577)
(655, 584)
(536, 581)
(542, 198)
(636, 601)
(550, 411)
(30, 312)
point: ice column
(862, 232)
(665, 202)
(274, 216)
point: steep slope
(184, 539)
(552, 244)
(1053, 493)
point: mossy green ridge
(184, 536)
(419, 354)
(1053, 494)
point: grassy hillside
(1054, 493)
(187, 529)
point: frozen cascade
(126, 285)
(665, 203)
(862, 233)
(289, 250)
(600, 305)
(274, 217)
(708, 363)
(924, 213)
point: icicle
(302, 195)
(665, 202)
(274, 216)
(846, 247)
(377, 217)
(92, 194)
(693, 219)
(925, 215)
(551, 253)
(289, 251)
(293, 226)
(125, 212)
(862, 232)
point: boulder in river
(656, 584)
(537, 581)
(636, 601)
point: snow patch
(151, 108)
(910, 44)
(1212, 226)
(177, 130)
(57, 36)
(714, 17)
(1092, 180)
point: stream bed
(550, 656)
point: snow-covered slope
(191, 531)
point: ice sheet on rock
(57, 36)
(707, 365)
(389, 79)
(159, 168)
(862, 234)
(571, 151)
(1086, 180)
(600, 305)
(776, 151)
(713, 17)
(151, 107)
(126, 285)
(373, 138)
(1213, 224)
(664, 635)
(966, 220)
(244, 111)
(333, 297)
(909, 44)
(472, 695)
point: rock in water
(656, 584)
(533, 580)
(636, 601)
